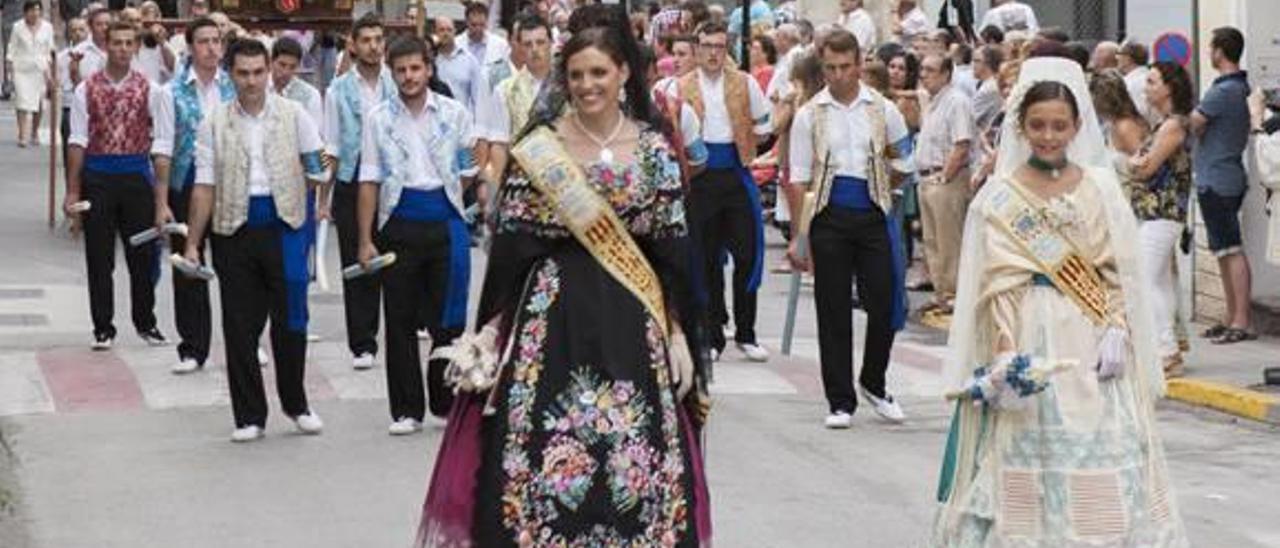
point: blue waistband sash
(433, 206)
(295, 245)
(121, 164)
(852, 193)
(724, 156)
(1041, 280)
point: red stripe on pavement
(83, 380)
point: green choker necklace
(1044, 166)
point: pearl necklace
(606, 153)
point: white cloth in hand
(1113, 351)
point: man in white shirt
(987, 102)
(910, 22)
(856, 19)
(77, 31)
(458, 68)
(286, 57)
(256, 158)
(847, 145)
(724, 203)
(962, 60)
(683, 51)
(1132, 61)
(492, 51)
(943, 155)
(349, 100)
(787, 39)
(414, 161)
(89, 56)
(113, 140)
(509, 107)
(1010, 15)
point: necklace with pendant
(606, 154)
(1053, 169)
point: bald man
(458, 68)
(1104, 57)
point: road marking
(89, 381)
(22, 387)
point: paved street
(110, 450)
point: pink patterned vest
(119, 118)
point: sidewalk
(1228, 378)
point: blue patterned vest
(446, 145)
(187, 116)
(346, 92)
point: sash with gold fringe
(591, 220)
(1055, 254)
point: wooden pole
(54, 110)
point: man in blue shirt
(1222, 124)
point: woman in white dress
(30, 48)
(1052, 352)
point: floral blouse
(1164, 195)
(646, 194)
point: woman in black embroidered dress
(585, 439)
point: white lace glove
(473, 360)
(681, 364)
(1113, 351)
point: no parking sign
(1173, 46)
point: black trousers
(846, 243)
(721, 211)
(250, 267)
(360, 295)
(191, 310)
(419, 277)
(122, 205)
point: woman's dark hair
(1178, 81)
(596, 26)
(766, 45)
(1041, 92)
(807, 68)
(913, 68)
(992, 35)
(1111, 96)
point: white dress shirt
(1011, 16)
(463, 73)
(414, 128)
(847, 125)
(150, 62)
(717, 126)
(159, 106)
(496, 118)
(914, 24)
(946, 122)
(92, 60)
(254, 127)
(863, 27)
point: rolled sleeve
(801, 147)
(162, 121)
(79, 134)
(204, 152)
(467, 137)
(332, 125)
(370, 167)
(309, 146)
(961, 126)
(691, 131)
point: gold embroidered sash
(1052, 251)
(591, 220)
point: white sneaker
(404, 426)
(363, 361)
(424, 334)
(886, 407)
(246, 434)
(184, 366)
(314, 337)
(102, 342)
(715, 355)
(840, 420)
(754, 352)
(263, 358)
(309, 423)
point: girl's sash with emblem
(1052, 251)
(591, 220)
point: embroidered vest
(187, 117)
(300, 92)
(520, 91)
(119, 116)
(231, 165)
(737, 97)
(350, 113)
(879, 184)
(445, 147)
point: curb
(1240, 402)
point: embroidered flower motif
(566, 471)
(1061, 213)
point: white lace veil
(970, 343)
